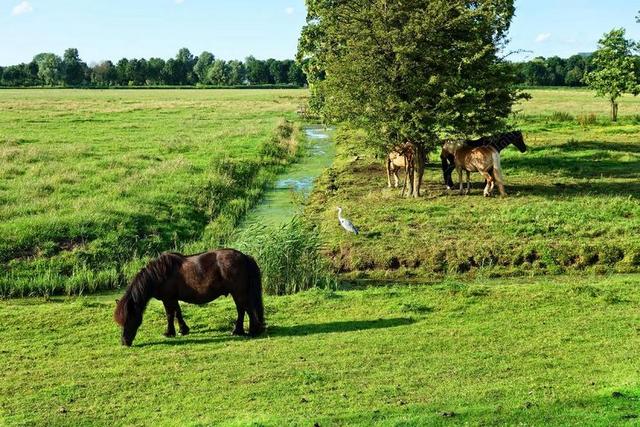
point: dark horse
(195, 279)
(499, 142)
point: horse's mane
(139, 292)
(492, 139)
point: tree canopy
(410, 71)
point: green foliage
(615, 69)
(410, 71)
(49, 68)
(289, 257)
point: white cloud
(289, 11)
(543, 37)
(179, 1)
(22, 8)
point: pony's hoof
(170, 334)
(238, 333)
(184, 331)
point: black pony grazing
(195, 279)
(499, 142)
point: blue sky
(233, 29)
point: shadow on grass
(332, 327)
(570, 190)
(605, 162)
(179, 341)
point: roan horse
(195, 279)
(499, 142)
(485, 160)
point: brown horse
(485, 160)
(401, 158)
(195, 279)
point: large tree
(201, 68)
(411, 70)
(615, 69)
(72, 66)
(49, 68)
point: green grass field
(94, 182)
(572, 205)
(515, 352)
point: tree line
(48, 69)
(555, 71)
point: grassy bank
(517, 351)
(572, 206)
(94, 182)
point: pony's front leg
(461, 181)
(184, 329)
(389, 173)
(170, 310)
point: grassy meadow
(516, 311)
(92, 183)
(561, 351)
(572, 206)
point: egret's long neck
(340, 214)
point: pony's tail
(255, 292)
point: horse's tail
(255, 291)
(497, 169)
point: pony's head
(130, 308)
(129, 317)
(518, 141)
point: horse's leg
(389, 172)
(396, 177)
(460, 180)
(170, 309)
(240, 308)
(184, 329)
(468, 182)
(488, 183)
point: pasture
(572, 205)
(92, 183)
(517, 351)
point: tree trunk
(418, 171)
(614, 111)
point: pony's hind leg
(170, 310)
(184, 329)
(240, 308)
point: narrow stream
(278, 205)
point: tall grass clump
(587, 119)
(561, 116)
(289, 257)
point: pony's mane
(139, 292)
